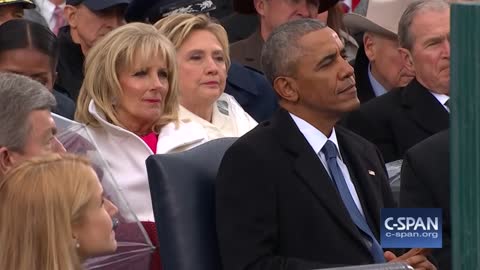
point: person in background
(379, 66)
(88, 21)
(54, 215)
(248, 86)
(129, 102)
(48, 13)
(28, 129)
(13, 9)
(31, 49)
(333, 17)
(203, 60)
(425, 183)
(151, 11)
(402, 118)
(272, 13)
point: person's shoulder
(229, 106)
(353, 137)
(238, 45)
(260, 137)
(247, 78)
(389, 99)
(434, 146)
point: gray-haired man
(400, 119)
(27, 128)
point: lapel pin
(371, 172)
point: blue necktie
(331, 153)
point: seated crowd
(297, 191)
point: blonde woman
(53, 215)
(128, 101)
(203, 60)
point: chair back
(183, 198)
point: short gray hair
(20, 96)
(281, 51)
(405, 37)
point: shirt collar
(315, 137)
(47, 8)
(378, 89)
(442, 98)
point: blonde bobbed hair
(41, 200)
(178, 28)
(122, 48)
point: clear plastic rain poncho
(394, 169)
(134, 247)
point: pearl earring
(77, 244)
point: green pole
(465, 135)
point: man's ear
(287, 89)
(259, 6)
(407, 59)
(70, 14)
(6, 160)
(369, 46)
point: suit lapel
(311, 171)
(424, 108)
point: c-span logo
(411, 227)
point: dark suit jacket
(65, 106)
(364, 87)
(248, 51)
(399, 119)
(70, 65)
(252, 91)
(239, 26)
(278, 209)
(426, 184)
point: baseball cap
(97, 5)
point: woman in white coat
(128, 101)
(203, 60)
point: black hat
(247, 7)
(27, 4)
(153, 10)
(97, 5)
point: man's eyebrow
(326, 59)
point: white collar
(315, 137)
(47, 8)
(442, 98)
(172, 136)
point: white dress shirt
(46, 8)
(442, 98)
(378, 88)
(317, 140)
